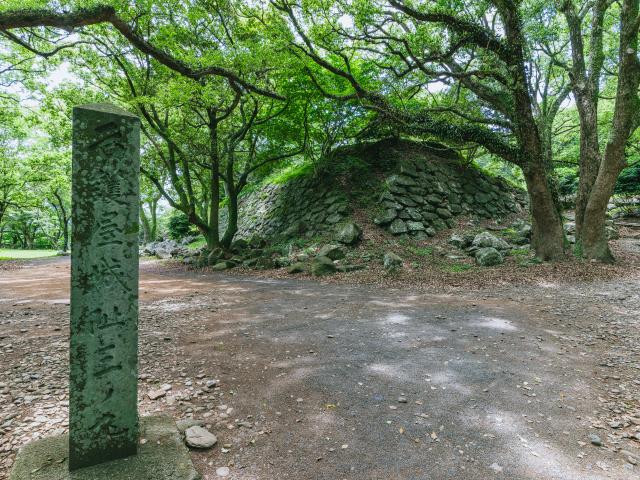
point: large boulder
(349, 233)
(488, 256)
(322, 265)
(391, 261)
(332, 251)
(461, 241)
(486, 240)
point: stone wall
(407, 189)
(426, 193)
(304, 206)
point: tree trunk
(146, 227)
(153, 230)
(65, 236)
(626, 109)
(588, 172)
(595, 244)
(232, 209)
(213, 238)
(547, 233)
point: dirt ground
(329, 380)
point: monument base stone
(162, 457)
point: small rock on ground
(199, 437)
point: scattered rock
(322, 266)
(391, 261)
(595, 440)
(156, 394)
(297, 267)
(488, 257)
(485, 240)
(349, 233)
(223, 471)
(460, 241)
(186, 423)
(199, 437)
(333, 252)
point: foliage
(179, 226)
(629, 181)
(235, 93)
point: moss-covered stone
(162, 457)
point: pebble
(199, 437)
(222, 471)
(156, 394)
(595, 440)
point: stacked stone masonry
(421, 193)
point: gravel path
(328, 381)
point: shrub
(179, 226)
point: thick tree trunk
(232, 225)
(594, 242)
(213, 238)
(627, 105)
(547, 234)
(590, 156)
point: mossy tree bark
(599, 170)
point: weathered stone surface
(349, 233)
(485, 239)
(322, 266)
(415, 226)
(443, 212)
(162, 457)
(103, 415)
(461, 241)
(404, 180)
(297, 267)
(398, 227)
(186, 423)
(199, 437)
(488, 257)
(333, 252)
(391, 261)
(419, 182)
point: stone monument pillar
(103, 414)
(103, 380)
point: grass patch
(457, 267)
(289, 173)
(15, 254)
(421, 251)
(200, 242)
